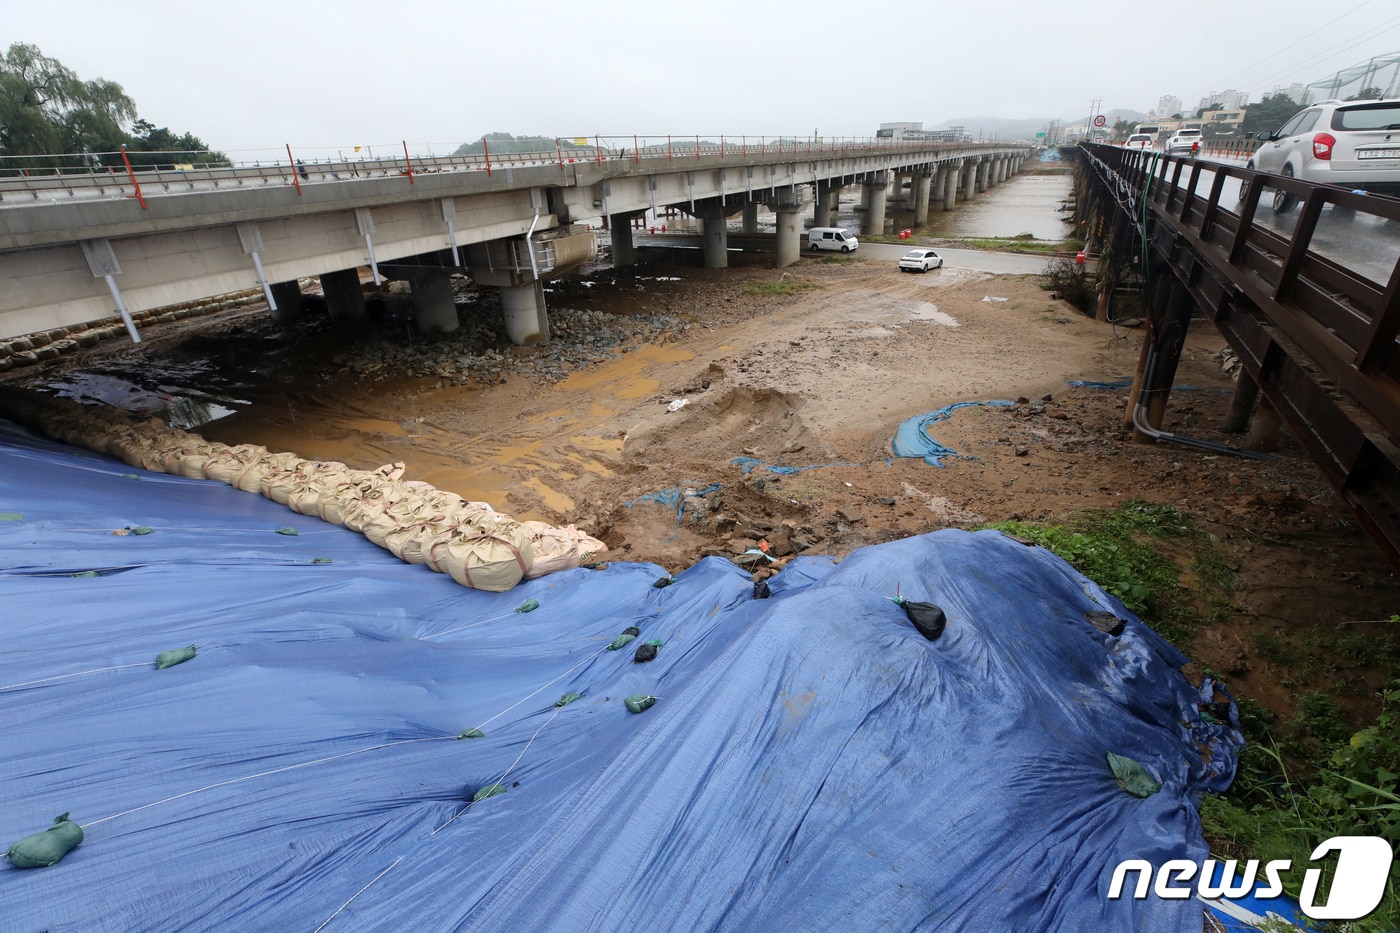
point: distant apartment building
(1167, 105)
(1221, 122)
(1295, 91)
(1228, 99)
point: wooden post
(1172, 338)
(1241, 404)
(1263, 428)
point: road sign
(1100, 120)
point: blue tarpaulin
(811, 762)
(911, 438)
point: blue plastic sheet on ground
(811, 762)
(1090, 384)
(749, 464)
(673, 497)
(912, 439)
(1249, 913)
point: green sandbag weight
(621, 641)
(289, 530)
(48, 847)
(568, 698)
(529, 605)
(639, 702)
(1132, 776)
(472, 734)
(490, 790)
(174, 656)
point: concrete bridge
(76, 248)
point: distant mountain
(998, 127)
(1003, 128)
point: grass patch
(1129, 551)
(781, 287)
(1021, 243)
(1324, 781)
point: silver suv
(1355, 144)
(1185, 141)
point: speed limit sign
(1100, 120)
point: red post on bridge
(486, 149)
(559, 148)
(597, 149)
(407, 161)
(636, 153)
(135, 184)
(291, 164)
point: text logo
(1358, 882)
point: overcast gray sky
(325, 76)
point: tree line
(53, 118)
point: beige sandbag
(281, 485)
(413, 542)
(558, 549)
(250, 478)
(196, 458)
(495, 562)
(226, 464)
(336, 498)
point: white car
(1351, 143)
(920, 260)
(1185, 141)
(1139, 141)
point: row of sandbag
(476, 545)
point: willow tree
(47, 109)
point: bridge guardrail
(1309, 325)
(28, 179)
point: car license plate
(1393, 153)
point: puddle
(178, 405)
(622, 376)
(924, 311)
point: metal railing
(30, 179)
(1315, 320)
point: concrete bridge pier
(344, 296)
(287, 295)
(433, 302)
(714, 215)
(527, 321)
(923, 183)
(969, 173)
(897, 200)
(826, 197)
(789, 208)
(750, 221)
(950, 185)
(979, 176)
(620, 227)
(940, 180)
(875, 184)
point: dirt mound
(726, 423)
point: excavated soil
(670, 392)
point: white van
(831, 238)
